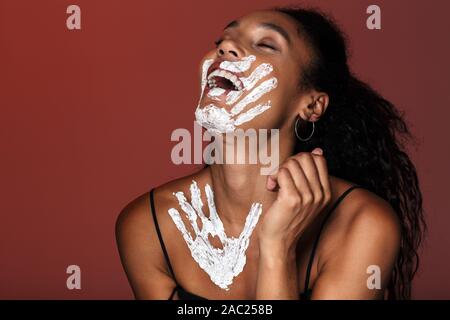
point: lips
(215, 65)
(219, 78)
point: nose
(229, 50)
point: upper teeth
(225, 74)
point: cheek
(287, 89)
(283, 99)
(282, 93)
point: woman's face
(250, 80)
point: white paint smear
(206, 64)
(238, 66)
(215, 119)
(218, 119)
(250, 114)
(254, 95)
(221, 264)
(249, 82)
(233, 96)
(215, 92)
(260, 72)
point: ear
(312, 105)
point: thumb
(272, 181)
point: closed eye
(266, 45)
(261, 44)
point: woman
(344, 180)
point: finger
(271, 181)
(299, 177)
(322, 169)
(285, 180)
(288, 192)
(312, 175)
(271, 184)
(317, 151)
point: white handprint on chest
(221, 264)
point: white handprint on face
(219, 120)
(221, 264)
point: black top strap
(161, 241)
(316, 242)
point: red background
(86, 118)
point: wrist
(276, 251)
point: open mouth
(225, 80)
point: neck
(237, 186)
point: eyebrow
(265, 25)
(232, 24)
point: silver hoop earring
(296, 132)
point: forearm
(277, 273)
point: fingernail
(318, 151)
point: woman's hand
(303, 187)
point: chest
(191, 276)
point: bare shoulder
(363, 233)
(138, 241)
(136, 217)
(362, 221)
(164, 195)
(372, 216)
(139, 250)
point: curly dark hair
(363, 137)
